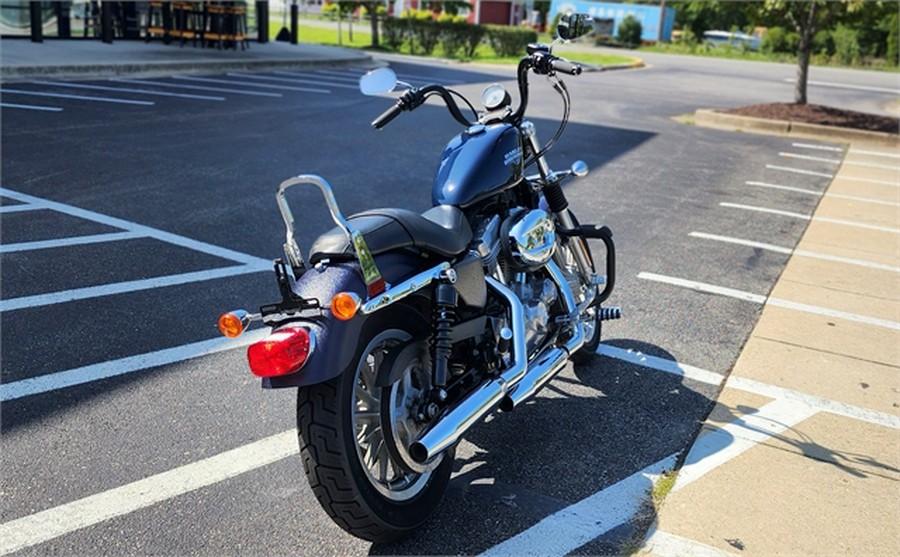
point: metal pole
(262, 21)
(37, 24)
(106, 23)
(63, 23)
(294, 22)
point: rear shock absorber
(445, 301)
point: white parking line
(722, 444)
(800, 252)
(306, 76)
(21, 208)
(52, 523)
(808, 158)
(124, 90)
(68, 242)
(749, 385)
(704, 287)
(567, 530)
(195, 87)
(849, 86)
(31, 107)
(812, 218)
(78, 97)
(292, 80)
(895, 183)
(819, 147)
(124, 366)
(862, 199)
(661, 364)
(827, 312)
(867, 152)
(799, 171)
(873, 165)
(245, 84)
(777, 302)
(147, 231)
(783, 188)
(65, 296)
(820, 194)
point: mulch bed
(818, 114)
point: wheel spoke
(367, 398)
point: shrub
(424, 34)
(510, 41)
(846, 45)
(330, 10)
(893, 41)
(775, 40)
(393, 32)
(630, 31)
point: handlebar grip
(386, 117)
(564, 66)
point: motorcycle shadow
(592, 426)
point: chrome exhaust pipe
(551, 361)
(450, 428)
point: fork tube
(557, 203)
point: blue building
(648, 16)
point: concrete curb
(720, 120)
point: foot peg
(610, 312)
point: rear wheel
(353, 439)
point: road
(129, 225)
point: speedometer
(495, 96)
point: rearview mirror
(377, 82)
(573, 26)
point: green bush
(331, 10)
(630, 31)
(775, 40)
(846, 45)
(424, 34)
(393, 32)
(893, 41)
(510, 41)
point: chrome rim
(388, 477)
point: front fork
(558, 204)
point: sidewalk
(21, 59)
(801, 454)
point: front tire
(352, 438)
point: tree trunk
(807, 28)
(803, 53)
(372, 8)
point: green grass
(362, 38)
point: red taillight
(281, 353)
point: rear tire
(347, 429)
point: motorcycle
(404, 330)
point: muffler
(451, 427)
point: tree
(807, 19)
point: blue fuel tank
(479, 162)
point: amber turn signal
(344, 305)
(233, 323)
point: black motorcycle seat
(442, 230)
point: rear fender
(337, 341)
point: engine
(531, 239)
(537, 295)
